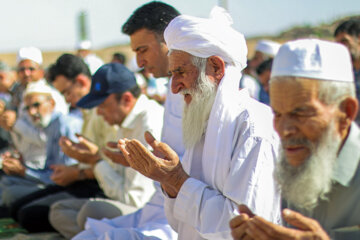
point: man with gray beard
(229, 139)
(313, 98)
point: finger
(111, 144)
(244, 209)
(238, 231)
(149, 138)
(138, 155)
(87, 142)
(116, 157)
(298, 220)
(256, 232)
(238, 220)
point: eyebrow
(138, 48)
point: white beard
(196, 113)
(43, 121)
(305, 185)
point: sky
(52, 24)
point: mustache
(296, 141)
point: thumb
(245, 209)
(151, 140)
(298, 220)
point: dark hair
(70, 66)
(264, 66)
(154, 16)
(135, 91)
(120, 57)
(351, 27)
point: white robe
(237, 166)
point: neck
(356, 64)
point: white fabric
(250, 84)
(123, 183)
(313, 58)
(238, 160)
(93, 62)
(38, 87)
(84, 45)
(268, 47)
(30, 53)
(203, 37)
(150, 221)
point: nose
(140, 61)
(32, 110)
(176, 85)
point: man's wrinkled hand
(307, 228)
(64, 175)
(12, 166)
(166, 169)
(238, 224)
(85, 151)
(116, 156)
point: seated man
(228, 136)
(313, 97)
(117, 96)
(24, 175)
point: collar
(348, 160)
(140, 106)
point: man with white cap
(84, 51)
(30, 173)
(229, 140)
(312, 94)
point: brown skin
(66, 175)
(12, 166)
(298, 114)
(72, 91)
(46, 105)
(185, 74)
(115, 111)
(29, 71)
(151, 52)
(163, 164)
(115, 155)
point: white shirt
(93, 62)
(237, 166)
(150, 221)
(124, 183)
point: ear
(215, 67)
(348, 111)
(127, 98)
(83, 80)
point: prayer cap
(268, 47)
(38, 87)
(84, 45)
(205, 37)
(108, 79)
(30, 53)
(313, 58)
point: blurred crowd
(192, 139)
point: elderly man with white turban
(229, 139)
(312, 94)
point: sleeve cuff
(187, 197)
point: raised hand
(163, 166)
(115, 156)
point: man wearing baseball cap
(312, 95)
(119, 101)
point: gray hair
(330, 92)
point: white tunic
(237, 165)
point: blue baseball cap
(108, 79)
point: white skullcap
(204, 37)
(29, 53)
(268, 47)
(86, 45)
(313, 58)
(38, 87)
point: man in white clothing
(229, 139)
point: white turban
(313, 58)
(268, 47)
(202, 37)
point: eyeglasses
(34, 105)
(22, 69)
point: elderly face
(184, 74)
(151, 53)
(300, 117)
(29, 71)
(111, 110)
(39, 108)
(352, 43)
